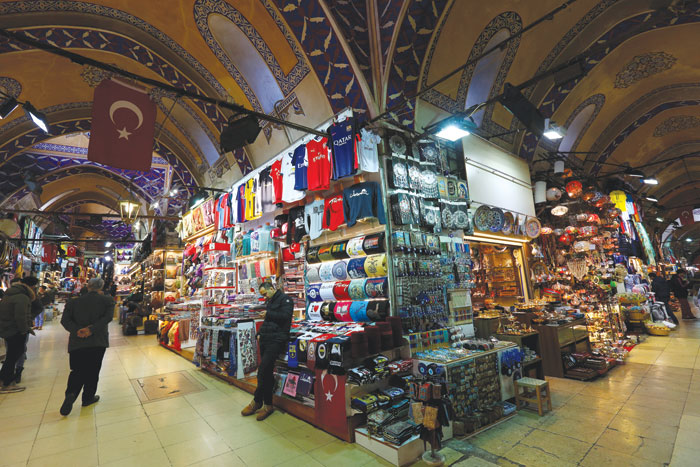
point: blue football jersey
(344, 153)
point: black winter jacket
(15, 310)
(278, 319)
(660, 287)
(93, 310)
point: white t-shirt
(289, 194)
(367, 153)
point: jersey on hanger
(300, 162)
(276, 174)
(289, 193)
(333, 213)
(320, 165)
(344, 151)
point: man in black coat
(86, 319)
(273, 337)
(661, 289)
(15, 323)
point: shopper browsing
(86, 319)
(661, 289)
(15, 324)
(679, 287)
(272, 337)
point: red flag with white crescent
(687, 218)
(123, 127)
(329, 392)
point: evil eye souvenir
(325, 272)
(340, 271)
(356, 268)
(354, 247)
(312, 274)
(430, 153)
(375, 265)
(356, 290)
(326, 291)
(400, 172)
(376, 287)
(313, 292)
(341, 290)
(314, 311)
(429, 185)
(460, 218)
(338, 250)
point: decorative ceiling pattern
(676, 124)
(644, 66)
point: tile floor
(646, 412)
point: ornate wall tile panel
(644, 66)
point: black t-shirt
(296, 228)
(266, 190)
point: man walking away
(273, 337)
(679, 287)
(15, 319)
(86, 319)
(660, 287)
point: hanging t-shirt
(301, 162)
(344, 152)
(266, 190)
(363, 200)
(333, 213)
(257, 205)
(241, 202)
(276, 174)
(266, 243)
(314, 218)
(367, 152)
(289, 193)
(250, 187)
(223, 212)
(320, 165)
(296, 225)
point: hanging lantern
(546, 230)
(597, 240)
(587, 196)
(588, 230)
(571, 230)
(577, 267)
(559, 210)
(581, 247)
(566, 239)
(582, 217)
(602, 201)
(558, 232)
(553, 194)
(593, 219)
(568, 173)
(558, 167)
(596, 196)
(574, 189)
(540, 191)
(129, 210)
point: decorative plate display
(430, 153)
(497, 220)
(482, 218)
(508, 223)
(397, 144)
(533, 227)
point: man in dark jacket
(273, 337)
(679, 287)
(660, 287)
(86, 319)
(15, 323)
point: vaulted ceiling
(637, 103)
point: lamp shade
(540, 192)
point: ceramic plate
(497, 220)
(508, 224)
(532, 228)
(482, 218)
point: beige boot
(265, 412)
(251, 408)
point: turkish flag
(123, 127)
(687, 217)
(329, 392)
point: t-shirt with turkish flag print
(318, 172)
(333, 213)
(276, 174)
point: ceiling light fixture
(659, 219)
(653, 200)
(635, 173)
(650, 181)
(551, 131)
(198, 198)
(108, 258)
(173, 192)
(108, 244)
(37, 117)
(452, 132)
(688, 240)
(239, 131)
(7, 107)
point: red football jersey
(276, 174)
(333, 213)
(318, 172)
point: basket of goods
(657, 329)
(637, 313)
(631, 298)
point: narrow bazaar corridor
(644, 413)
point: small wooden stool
(538, 385)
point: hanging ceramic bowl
(582, 217)
(559, 210)
(574, 189)
(497, 220)
(571, 230)
(546, 231)
(482, 218)
(553, 194)
(508, 223)
(533, 227)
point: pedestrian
(86, 319)
(15, 319)
(661, 289)
(272, 337)
(679, 286)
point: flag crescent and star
(123, 126)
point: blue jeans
(39, 320)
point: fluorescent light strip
(471, 238)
